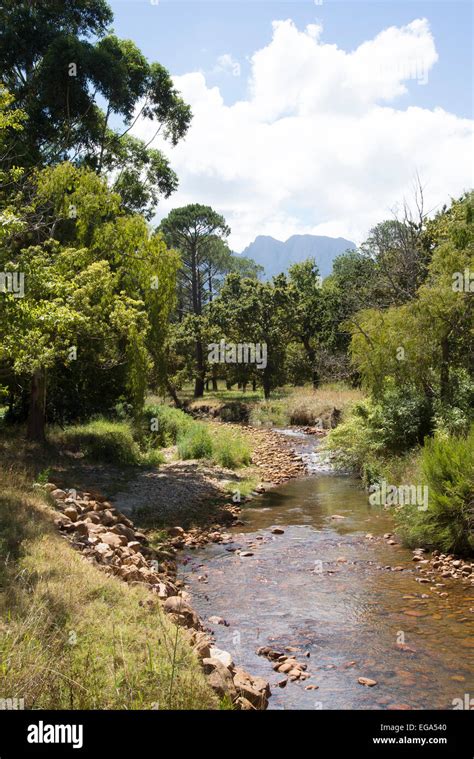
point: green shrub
(102, 440)
(195, 443)
(402, 417)
(231, 450)
(448, 523)
(165, 424)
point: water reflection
(324, 588)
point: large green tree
(83, 89)
(198, 233)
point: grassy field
(287, 406)
(73, 638)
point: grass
(74, 638)
(304, 406)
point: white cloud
(319, 145)
(227, 64)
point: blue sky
(312, 125)
(187, 36)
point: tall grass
(73, 638)
(107, 441)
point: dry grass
(73, 638)
(306, 406)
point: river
(325, 589)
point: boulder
(59, 495)
(254, 689)
(223, 656)
(219, 678)
(113, 540)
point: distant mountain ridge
(276, 256)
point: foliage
(448, 523)
(70, 74)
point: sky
(312, 117)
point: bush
(196, 443)
(165, 424)
(402, 417)
(231, 450)
(102, 440)
(448, 524)
(378, 430)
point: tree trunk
(37, 408)
(228, 385)
(172, 391)
(254, 385)
(214, 378)
(200, 371)
(444, 372)
(266, 387)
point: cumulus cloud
(322, 144)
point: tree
(249, 311)
(71, 76)
(198, 233)
(88, 327)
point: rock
(175, 532)
(341, 560)
(71, 512)
(108, 518)
(59, 495)
(202, 646)
(219, 678)
(311, 687)
(127, 532)
(245, 553)
(134, 546)
(223, 656)
(113, 540)
(278, 531)
(80, 528)
(282, 683)
(337, 516)
(367, 681)
(218, 621)
(182, 613)
(254, 689)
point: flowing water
(326, 589)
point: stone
(59, 495)
(71, 512)
(134, 546)
(223, 656)
(175, 532)
(278, 531)
(255, 689)
(181, 611)
(80, 528)
(113, 540)
(219, 678)
(218, 621)
(367, 681)
(121, 529)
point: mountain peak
(276, 256)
